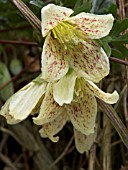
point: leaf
(15, 66)
(120, 47)
(116, 53)
(104, 42)
(69, 2)
(3, 1)
(121, 38)
(37, 3)
(119, 27)
(7, 91)
(98, 6)
(112, 9)
(25, 137)
(82, 6)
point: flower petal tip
(52, 15)
(115, 97)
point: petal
(82, 112)
(49, 110)
(52, 128)
(5, 112)
(63, 90)
(94, 26)
(54, 63)
(106, 97)
(83, 143)
(25, 100)
(51, 15)
(90, 61)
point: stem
(115, 120)
(30, 16)
(16, 28)
(118, 60)
(18, 42)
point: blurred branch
(7, 161)
(28, 14)
(115, 120)
(63, 153)
(118, 60)
(16, 28)
(18, 42)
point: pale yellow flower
(76, 103)
(70, 43)
(59, 102)
(20, 105)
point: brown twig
(18, 42)
(25, 158)
(30, 16)
(3, 141)
(118, 60)
(63, 153)
(16, 28)
(115, 120)
(7, 161)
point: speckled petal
(49, 110)
(25, 100)
(63, 90)
(106, 97)
(52, 128)
(51, 15)
(82, 112)
(54, 61)
(90, 61)
(83, 143)
(94, 26)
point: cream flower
(58, 103)
(69, 43)
(20, 105)
(75, 103)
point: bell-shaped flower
(23, 103)
(71, 43)
(75, 102)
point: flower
(58, 103)
(24, 102)
(73, 102)
(70, 43)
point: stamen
(67, 34)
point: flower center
(67, 34)
(79, 87)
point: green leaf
(121, 38)
(112, 9)
(7, 91)
(25, 137)
(15, 66)
(119, 27)
(98, 6)
(69, 2)
(3, 1)
(37, 3)
(116, 53)
(104, 42)
(120, 47)
(82, 6)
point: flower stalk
(115, 120)
(28, 14)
